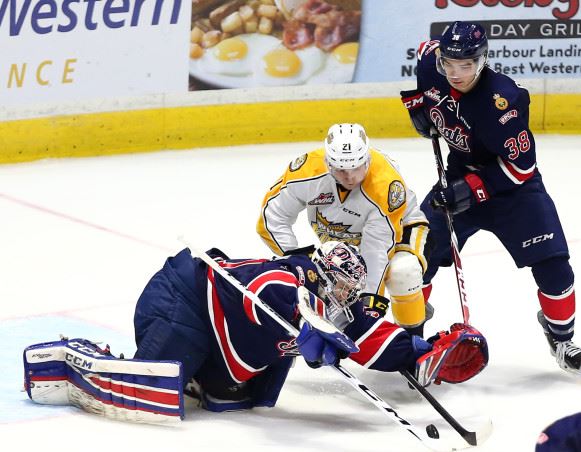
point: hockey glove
(460, 194)
(413, 100)
(324, 349)
(455, 357)
(320, 342)
(373, 302)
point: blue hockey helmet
(462, 41)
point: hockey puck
(432, 431)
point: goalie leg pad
(455, 357)
(80, 373)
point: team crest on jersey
(327, 230)
(301, 275)
(288, 348)
(396, 195)
(322, 199)
(298, 162)
(455, 137)
(507, 116)
(500, 102)
(312, 275)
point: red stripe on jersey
(260, 282)
(514, 173)
(378, 338)
(558, 308)
(426, 47)
(142, 394)
(225, 264)
(238, 369)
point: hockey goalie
(197, 334)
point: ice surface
(81, 237)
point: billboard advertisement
(56, 51)
(527, 38)
(70, 50)
(261, 43)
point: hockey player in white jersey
(355, 194)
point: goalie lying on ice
(196, 332)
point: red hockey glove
(455, 357)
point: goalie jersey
(188, 313)
(372, 216)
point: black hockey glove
(459, 195)
(413, 100)
(374, 302)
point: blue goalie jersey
(188, 313)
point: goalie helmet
(346, 146)
(463, 41)
(342, 273)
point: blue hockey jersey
(486, 129)
(218, 334)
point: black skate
(568, 355)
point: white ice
(81, 237)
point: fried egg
(340, 65)
(281, 66)
(235, 56)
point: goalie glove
(455, 357)
(320, 342)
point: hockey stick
(470, 437)
(473, 438)
(453, 238)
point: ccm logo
(78, 362)
(414, 103)
(538, 239)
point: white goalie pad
(78, 372)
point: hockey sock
(559, 311)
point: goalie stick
(453, 238)
(430, 441)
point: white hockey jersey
(372, 216)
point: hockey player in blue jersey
(232, 354)
(493, 180)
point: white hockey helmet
(346, 146)
(342, 273)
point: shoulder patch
(500, 102)
(426, 48)
(508, 116)
(297, 163)
(396, 195)
(312, 275)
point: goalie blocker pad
(78, 372)
(455, 357)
